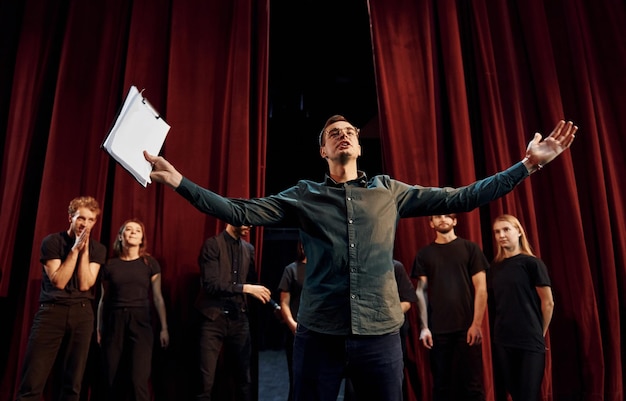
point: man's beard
(444, 230)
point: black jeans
(57, 329)
(232, 333)
(289, 338)
(457, 368)
(519, 372)
(127, 331)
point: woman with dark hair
(124, 321)
(522, 304)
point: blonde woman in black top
(521, 298)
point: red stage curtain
(69, 65)
(462, 88)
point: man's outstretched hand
(541, 152)
(162, 171)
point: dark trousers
(63, 331)
(348, 393)
(127, 340)
(289, 338)
(233, 334)
(373, 364)
(457, 368)
(518, 371)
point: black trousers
(127, 332)
(289, 338)
(518, 372)
(457, 368)
(58, 330)
(232, 333)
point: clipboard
(138, 127)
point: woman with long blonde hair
(521, 298)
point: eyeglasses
(337, 132)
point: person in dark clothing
(124, 324)
(407, 294)
(350, 312)
(63, 325)
(290, 288)
(227, 272)
(520, 296)
(452, 271)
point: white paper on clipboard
(138, 127)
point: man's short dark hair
(331, 120)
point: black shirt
(58, 246)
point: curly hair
(83, 201)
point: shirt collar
(360, 180)
(229, 238)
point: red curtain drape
(69, 65)
(462, 87)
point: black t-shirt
(58, 246)
(291, 282)
(449, 269)
(128, 283)
(518, 321)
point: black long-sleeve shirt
(226, 264)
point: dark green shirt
(348, 233)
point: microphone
(274, 305)
(276, 309)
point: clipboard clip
(148, 105)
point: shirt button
(351, 245)
(353, 296)
(350, 221)
(349, 198)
